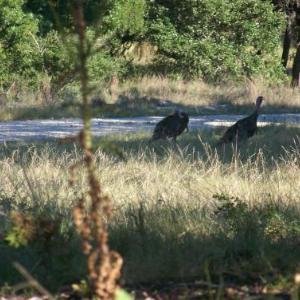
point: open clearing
(47, 129)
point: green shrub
(19, 52)
(57, 59)
(217, 39)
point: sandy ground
(49, 129)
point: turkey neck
(257, 110)
(255, 113)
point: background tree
(209, 39)
(217, 39)
(291, 8)
(19, 53)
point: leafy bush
(57, 59)
(127, 17)
(102, 66)
(19, 53)
(268, 222)
(217, 39)
(214, 40)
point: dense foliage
(19, 51)
(211, 39)
(216, 38)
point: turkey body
(171, 126)
(244, 128)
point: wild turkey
(243, 128)
(171, 126)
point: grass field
(182, 212)
(152, 96)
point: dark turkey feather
(244, 128)
(171, 126)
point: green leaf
(121, 294)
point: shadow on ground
(140, 106)
(230, 243)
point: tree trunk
(296, 67)
(286, 46)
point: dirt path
(48, 129)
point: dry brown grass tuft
(136, 98)
(172, 180)
(198, 92)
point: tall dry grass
(164, 204)
(140, 97)
(179, 178)
(197, 92)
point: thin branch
(32, 282)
